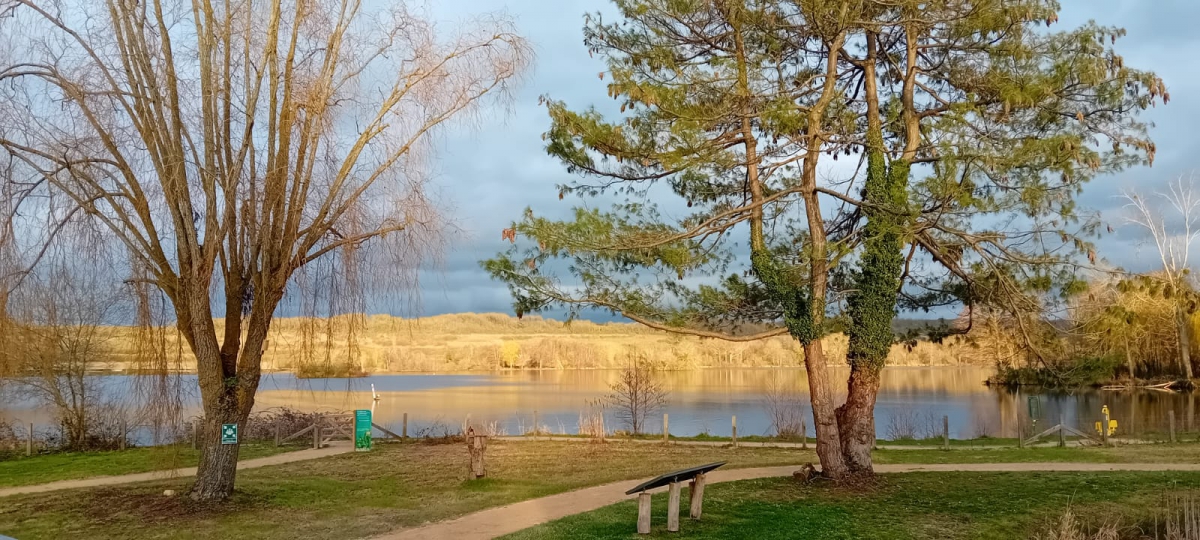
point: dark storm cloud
(490, 176)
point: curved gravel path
(494, 522)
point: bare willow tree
(226, 144)
(1171, 218)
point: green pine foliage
(988, 134)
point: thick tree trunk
(856, 420)
(829, 449)
(1185, 342)
(218, 462)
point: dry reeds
(494, 341)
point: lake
(911, 400)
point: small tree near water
(637, 395)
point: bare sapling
(637, 395)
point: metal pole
(404, 429)
(29, 441)
(735, 431)
(945, 432)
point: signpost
(229, 434)
(362, 430)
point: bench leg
(696, 496)
(673, 508)
(644, 513)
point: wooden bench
(672, 480)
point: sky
(487, 176)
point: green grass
(398, 485)
(43, 468)
(910, 506)
(357, 494)
(1139, 453)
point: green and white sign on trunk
(229, 434)
(362, 430)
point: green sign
(362, 430)
(229, 434)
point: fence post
(1020, 432)
(803, 436)
(666, 428)
(29, 441)
(1171, 418)
(1062, 433)
(404, 429)
(317, 433)
(945, 432)
(124, 433)
(535, 425)
(735, 431)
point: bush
(328, 371)
(1092, 371)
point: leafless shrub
(591, 420)
(1180, 519)
(903, 425)
(439, 432)
(637, 395)
(1068, 528)
(932, 425)
(1177, 517)
(784, 405)
(984, 425)
(9, 439)
(494, 429)
(54, 339)
(262, 425)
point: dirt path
(98, 481)
(494, 522)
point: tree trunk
(829, 449)
(1129, 361)
(1185, 342)
(218, 462)
(856, 420)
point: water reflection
(701, 401)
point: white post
(673, 508)
(696, 496)
(644, 513)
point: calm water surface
(700, 401)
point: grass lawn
(40, 469)
(903, 506)
(356, 495)
(397, 485)
(1133, 453)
